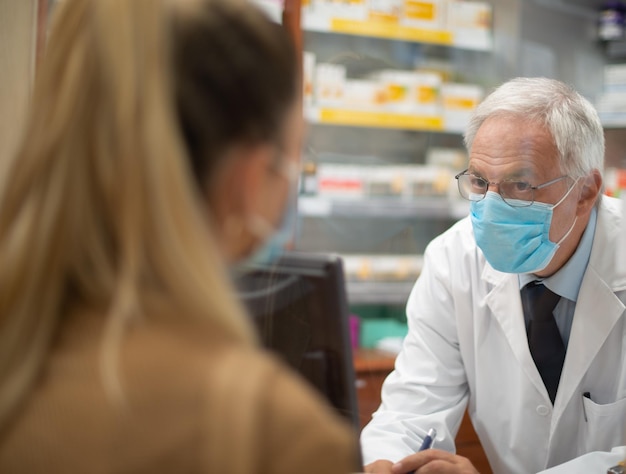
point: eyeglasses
(514, 193)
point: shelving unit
(379, 292)
(384, 208)
(373, 119)
(400, 222)
(324, 23)
(377, 29)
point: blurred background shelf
(374, 119)
(479, 41)
(378, 292)
(315, 206)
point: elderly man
(519, 312)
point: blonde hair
(101, 207)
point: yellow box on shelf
(365, 118)
(391, 30)
(423, 11)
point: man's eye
(519, 186)
(478, 182)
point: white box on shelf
(362, 94)
(384, 181)
(340, 181)
(427, 181)
(329, 9)
(427, 93)
(385, 10)
(470, 22)
(329, 84)
(410, 91)
(459, 101)
(308, 73)
(452, 158)
(382, 267)
(399, 89)
(357, 267)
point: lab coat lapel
(505, 304)
(598, 308)
(597, 311)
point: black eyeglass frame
(524, 203)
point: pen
(427, 443)
(428, 440)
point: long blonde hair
(101, 207)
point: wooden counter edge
(373, 360)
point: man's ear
(592, 186)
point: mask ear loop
(566, 194)
(568, 232)
(575, 217)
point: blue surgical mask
(275, 239)
(276, 243)
(515, 239)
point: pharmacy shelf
(478, 41)
(374, 119)
(613, 120)
(317, 206)
(378, 292)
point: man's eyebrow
(521, 174)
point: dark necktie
(544, 338)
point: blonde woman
(159, 152)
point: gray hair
(571, 119)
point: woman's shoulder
(279, 420)
(189, 395)
(249, 395)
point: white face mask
(274, 239)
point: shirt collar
(566, 282)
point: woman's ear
(241, 180)
(238, 191)
(252, 177)
(592, 186)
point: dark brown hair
(235, 78)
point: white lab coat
(597, 462)
(467, 346)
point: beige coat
(192, 406)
